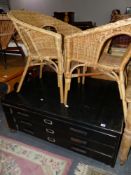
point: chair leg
(22, 78)
(126, 138)
(60, 85)
(126, 79)
(124, 108)
(79, 78)
(84, 71)
(122, 88)
(67, 88)
(124, 148)
(41, 68)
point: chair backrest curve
(40, 20)
(86, 46)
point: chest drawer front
(92, 134)
(26, 114)
(29, 128)
(47, 121)
(62, 141)
(55, 126)
(57, 132)
(92, 145)
(94, 154)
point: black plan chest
(92, 124)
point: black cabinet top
(97, 103)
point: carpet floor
(84, 169)
(17, 158)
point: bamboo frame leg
(67, 88)
(126, 139)
(124, 103)
(41, 68)
(120, 91)
(84, 71)
(122, 87)
(126, 77)
(23, 77)
(79, 78)
(60, 85)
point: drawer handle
(28, 131)
(76, 140)
(79, 150)
(51, 139)
(23, 114)
(49, 122)
(78, 131)
(26, 123)
(50, 131)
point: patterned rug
(83, 169)
(17, 158)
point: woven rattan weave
(44, 47)
(90, 48)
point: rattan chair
(44, 47)
(90, 49)
(6, 33)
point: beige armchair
(90, 49)
(44, 47)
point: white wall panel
(96, 10)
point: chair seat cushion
(109, 61)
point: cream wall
(95, 10)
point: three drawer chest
(92, 125)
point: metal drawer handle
(51, 139)
(26, 123)
(23, 114)
(28, 131)
(78, 131)
(78, 150)
(49, 122)
(50, 131)
(76, 140)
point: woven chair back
(6, 31)
(42, 45)
(86, 46)
(41, 20)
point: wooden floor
(11, 74)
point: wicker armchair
(6, 32)
(90, 49)
(44, 47)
